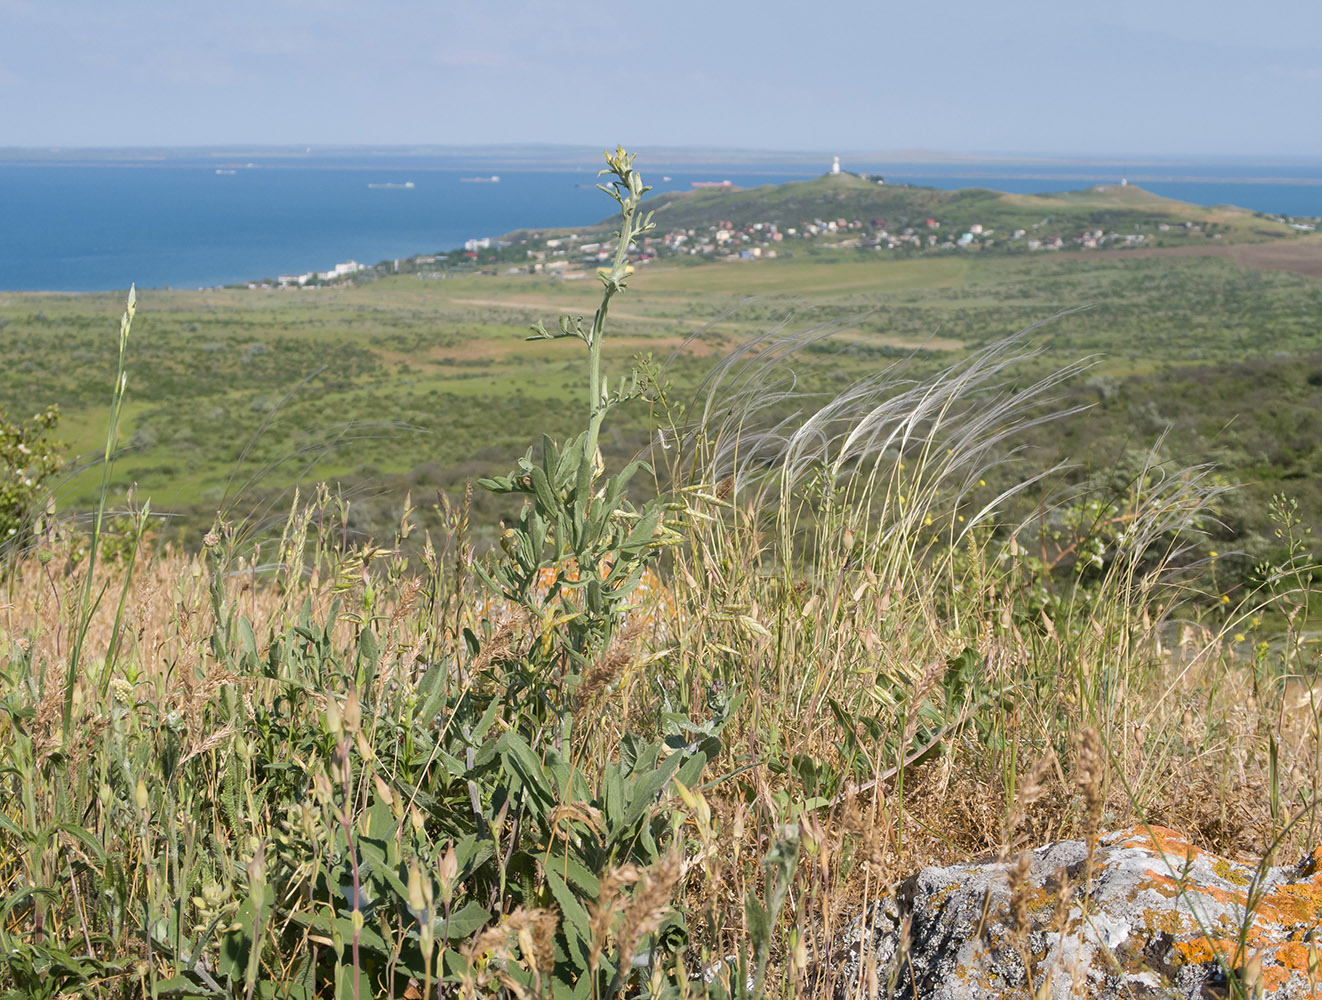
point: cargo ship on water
(391, 187)
(710, 184)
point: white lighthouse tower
(835, 166)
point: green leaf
(247, 638)
(574, 872)
(466, 920)
(570, 908)
(369, 647)
(179, 986)
(642, 534)
(566, 469)
(232, 960)
(542, 487)
(471, 852)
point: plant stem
(86, 607)
(620, 164)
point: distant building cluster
(342, 270)
(728, 240)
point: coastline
(87, 227)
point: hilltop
(863, 197)
(862, 212)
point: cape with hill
(876, 213)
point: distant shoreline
(768, 169)
(220, 230)
(550, 155)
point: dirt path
(1302, 256)
(556, 308)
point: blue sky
(1161, 78)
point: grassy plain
(409, 383)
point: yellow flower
(1213, 554)
(1239, 637)
(1225, 598)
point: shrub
(29, 458)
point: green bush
(28, 460)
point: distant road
(1302, 256)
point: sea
(205, 219)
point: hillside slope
(1109, 207)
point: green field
(409, 384)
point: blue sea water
(99, 225)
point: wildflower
(1239, 637)
(1225, 598)
(1213, 554)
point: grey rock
(1157, 918)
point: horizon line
(904, 154)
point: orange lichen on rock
(1159, 917)
(1201, 950)
(1159, 840)
(1312, 864)
(1293, 955)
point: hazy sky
(1128, 77)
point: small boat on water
(710, 184)
(493, 179)
(407, 185)
(220, 170)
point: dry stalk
(1020, 920)
(1089, 775)
(608, 667)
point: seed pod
(332, 717)
(353, 716)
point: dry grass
(1192, 752)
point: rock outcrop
(1149, 915)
